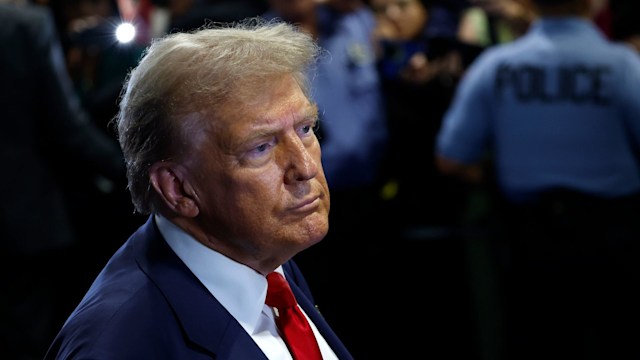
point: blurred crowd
(399, 224)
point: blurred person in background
(98, 63)
(420, 61)
(490, 22)
(554, 119)
(47, 140)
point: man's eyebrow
(311, 113)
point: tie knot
(279, 293)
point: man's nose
(302, 164)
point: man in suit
(217, 129)
(47, 141)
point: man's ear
(174, 189)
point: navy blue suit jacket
(146, 304)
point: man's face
(257, 175)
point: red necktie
(291, 321)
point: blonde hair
(198, 72)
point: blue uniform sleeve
(466, 127)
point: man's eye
(261, 148)
(309, 128)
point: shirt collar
(239, 288)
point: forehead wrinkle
(310, 112)
(270, 125)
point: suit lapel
(205, 321)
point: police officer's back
(558, 113)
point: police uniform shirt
(348, 92)
(559, 107)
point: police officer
(557, 113)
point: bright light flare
(125, 32)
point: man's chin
(316, 231)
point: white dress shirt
(239, 288)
